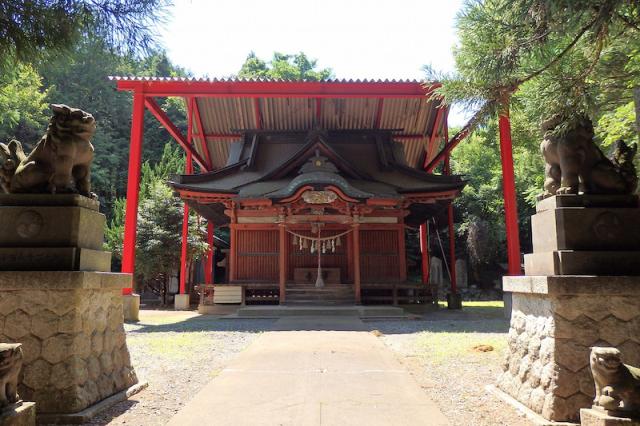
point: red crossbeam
(203, 141)
(162, 117)
(279, 89)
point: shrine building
(318, 183)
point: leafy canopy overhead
(568, 53)
(36, 28)
(283, 66)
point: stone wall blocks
(569, 307)
(97, 343)
(82, 345)
(549, 375)
(91, 391)
(62, 375)
(571, 355)
(62, 302)
(70, 322)
(630, 352)
(624, 308)
(120, 339)
(109, 341)
(106, 362)
(114, 318)
(518, 322)
(585, 381)
(94, 368)
(525, 367)
(45, 324)
(100, 319)
(613, 331)
(535, 374)
(577, 400)
(547, 347)
(57, 348)
(524, 394)
(17, 324)
(106, 385)
(567, 384)
(8, 302)
(537, 400)
(31, 348)
(37, 374)
(634, 329)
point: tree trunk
(636, 102)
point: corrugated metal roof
(257, 79)
(224, 113)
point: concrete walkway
(330, 371)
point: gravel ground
(177, 353)
(439, 352)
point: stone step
(328, 310)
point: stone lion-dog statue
(617, 384)
(10, 365)
(60, 162)
(574, 163)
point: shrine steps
(298, 294)
(364, 312)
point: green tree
(159, 236)
(32, 29)
(22, 104)
(284, 66)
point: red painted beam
(203, 141)
(238, 135)
(133, 188)
(188, 169)
(433, 137)
(162, 117)
(509, 192)
(279, 89)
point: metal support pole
(509, 192)
(133, 188)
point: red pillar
(424, 250)
(509, 192)
(209, 268)
(133, 187)
(185, 234)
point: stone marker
(13, 411)
(462, 274)
(436, 276)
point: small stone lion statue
(574, 162)
(60, 162)
(10, 365)
(617, 384)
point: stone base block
(597, 229)
(596, 417)
(30, 220)
(21, 414)
(454, 301)
(54, 259)
(567, 262)
(70, 325)
(555, 320)
(131, 307)
(218, 309)
(181, 302)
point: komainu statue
(10, 365)
(574, 163)
(617, 384)
(60, 162)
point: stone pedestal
(596, 417)
(181, 302)
(20, 414)
(59, 301)
(556, 316)
(70, 325)
(131, 307)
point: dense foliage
(284, 66)
(40, 28)
(567, 57)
